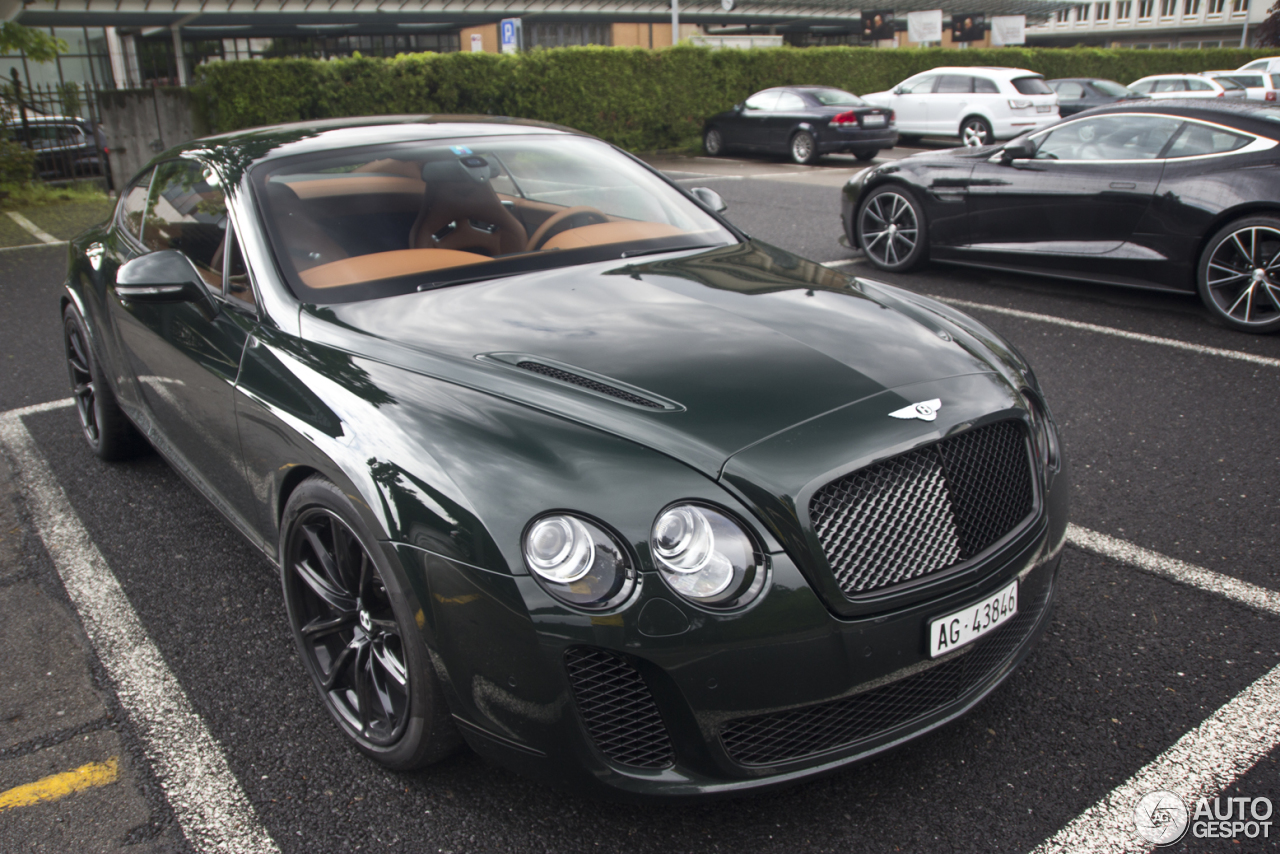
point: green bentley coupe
(557, 463)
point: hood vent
(594, 385)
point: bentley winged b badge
(926, 410)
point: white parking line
(207, 800)
(1200, 764)
(1174, 569)
(31, 228)
(1118, 333)
(32, 246)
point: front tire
(804, 149)
(892, 230)
(713, 143)
(356, 634)
(110, 434)
(976, 131)
(1238, 276)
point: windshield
(1108, 87)
(383, 220)
(835, 98)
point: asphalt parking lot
(1160, 667)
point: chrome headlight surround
(1044, 435)
(708, 557)
(578, 561)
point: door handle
(1123, 185)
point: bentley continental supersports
(1167, 195)
(555, 462)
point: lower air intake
(620, 713)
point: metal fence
(61, 124)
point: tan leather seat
(306, 242)
(461, 211)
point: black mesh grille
(618, 708)
(575, 379)
(769, 739)
(924, 510)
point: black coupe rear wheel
(1239, 274)
(804, 149)
(892, 229)
(109, 433)
(355, 634)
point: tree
(1268, 32)
(38, 46)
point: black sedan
(555, 462)
(804, 122)
(1171, 195)
(1077, 94)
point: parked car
(978, 104)
(1076, 94)
(804, 122)
(1270, 63)
(65, 146)
(1172, 195)
(1258, 85)
(1186, 86)
(556, 462)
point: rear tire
(803, 148)
(864, 156)
(110, 434)
(1238, 276)
(713, 143)
(892, 230)
(356, 633)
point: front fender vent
(584, 382)
(618, 709)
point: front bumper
(781, 692)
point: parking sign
(510, 30)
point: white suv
(979, 104)
(1258, 85)
(1187, 86)
(1271, 63)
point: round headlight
(707, 557)
(577, 561)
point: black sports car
(1077, 94)
(1171, 195)
(804, 122)
(555, 461)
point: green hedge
(636, 98)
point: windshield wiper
(635, 253)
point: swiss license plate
(969, 624)
(1043, 108)
(876, 121)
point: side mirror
(737, 108)
(900, 90)
(163, 276)
(710, 198)
(1019, 149)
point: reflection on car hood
(737, 343)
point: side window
(921, 86)
(187, 211)
(1168, 85)
(133, 202)
(984, 86)
(762, 101)
(790, 103)
(238, 285)
(1070, 91)
(1199, 139)
(1203, 86)
(1108, 138)
(952, 83)
(1143, 86)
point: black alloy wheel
(713, 143)
(864, 156)
(892, 229)
(976, 132)
(110, 434)
(355, 636)
(1239, 274)
(804, 150)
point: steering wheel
(574, 217)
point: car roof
(1250, 116)
(993, 70)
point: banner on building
(1008, 29)
(968, 26)
(877, 24)
(924, 26)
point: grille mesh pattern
(925, 510)
(770, 739)
(575, 379)
(618, 708)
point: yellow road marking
(60, 785)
